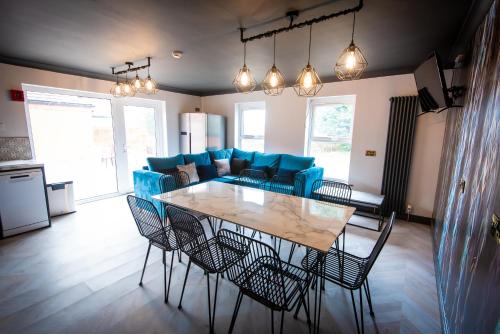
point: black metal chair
(332, 191)
(354, 273)
(159, 235)
(176, 180)
(264, 277)
(205, 253)
(252, 178)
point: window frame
(322, 101)
(240, 109)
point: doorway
(92, 139)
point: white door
(141, 125)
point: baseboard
(415, 219)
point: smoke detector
(177, 54)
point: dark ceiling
(88, 37)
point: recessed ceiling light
(177, 54)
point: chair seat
(164, 240)
(350, 277)
(261, 281)
(209, 255)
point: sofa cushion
(237, 165)
(206, 172)
(293, 162)
(200, 159)
(221, 154)
(223, 167)
(263, 168)
(287, 175)
(157, 164)
(270, 160)
(225, 179)
(190, 169)
(244, 155)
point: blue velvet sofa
(304, 173)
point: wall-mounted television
(431, 85)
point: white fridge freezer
(202, 132)
(23, 202)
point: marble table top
(307, 222)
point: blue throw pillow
(243, 155)
(206, 172)
(200, 159)
(159, 164)
(293, 162)
(287, 175)
(265, 169)
(270, 160)
(221, 154)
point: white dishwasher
(23, 205)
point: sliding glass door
(91, 139)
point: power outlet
(370, 153)
(2, 127)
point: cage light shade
(308, 82)
(127, 89)
(244, 81)
(116, 90)
(149, 86)
(137, 83)
(351, 63)
(273, 83)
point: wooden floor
(81, 275)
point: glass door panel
(140, 134)
(73, 136)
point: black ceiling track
(292, 15)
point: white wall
(12, 115)
(285, 131)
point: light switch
(370, 153)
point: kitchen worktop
(19, 164)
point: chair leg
(164, 277)
(170, 276)
(215, 300)
(184, 285)
(369, 297)
(282, 318)
(361, 311)
(145, 262)
(179, 255)
(355, 312)
(235, 312)
(209, 305)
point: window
(329, 134)
(251, 125)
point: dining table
(307, 222)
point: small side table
(368, 200)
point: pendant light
(273, 83)
(137, 83)
(127, 89)
(244, 81)
(116, 89)
(149, 85)
(308, 82)
(351, 63)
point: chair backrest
(281, 185)
(331, 191)
(259, 273)
(380, 243)
(189, 233)
(174, 180)
(251, 178)
(148, 221)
